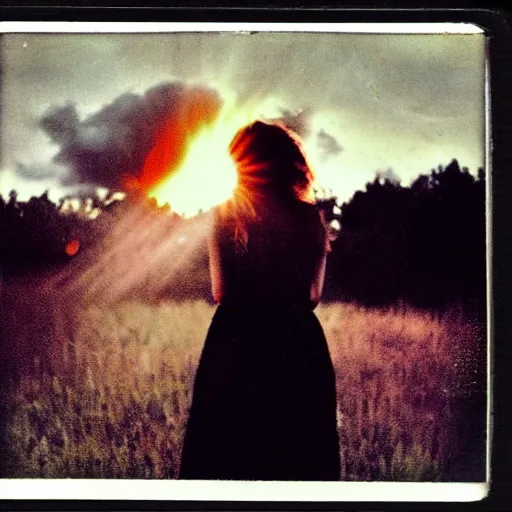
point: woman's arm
(317, 284)
(215, 268)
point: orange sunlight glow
(207, 175)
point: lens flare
(207, 175)
(72, 247)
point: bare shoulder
(310, 214)
(314, 221)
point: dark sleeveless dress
(264, 402)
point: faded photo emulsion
(253, 256)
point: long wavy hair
(270, 162)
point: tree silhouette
(34, 234)
(424, 244)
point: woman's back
(285, 241)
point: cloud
(114, 142)
(398, 91)
(327, 144)
(41, 171)
(299, 121)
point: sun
(207, 175)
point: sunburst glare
(207, 174)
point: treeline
(423, 244)
(34, 234)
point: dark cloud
(299, 122)
(328, 144)
(40, 171)
(114, 142)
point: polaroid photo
(245, 261)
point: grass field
(113, 401)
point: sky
(83, 110)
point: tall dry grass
(114, 401)
(400, 376)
